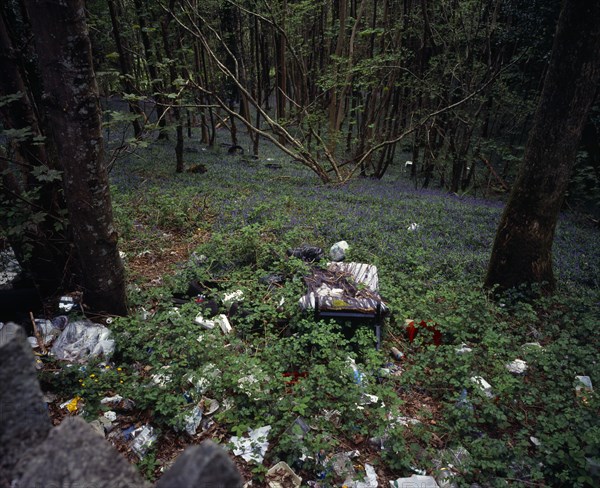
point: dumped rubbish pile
(72, 342)
(216, 313)
(344, 286)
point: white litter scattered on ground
(144, 437)
(484, 386)
(518, 366)
(254, 447)
(370, 480)
(415, 481)
(206, 323)
(234, 296)
(223, 322)
(463, 349)
(112, 399)
(192, 421)
(110, 415)
(162, 379)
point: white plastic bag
(82, 340)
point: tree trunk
(126, 69)
(42, 248)
(281, 76)
(179, 164)
(522, 252)
(71, 100)
(161, 108)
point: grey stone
(24, 420)
(338, 251)
(102, 425)
(206, 465)
(75, 455)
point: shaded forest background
(341, 86)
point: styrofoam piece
(484, 386)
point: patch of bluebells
(454, 237)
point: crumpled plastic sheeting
(370, 480)
(143, 439)
(336, 288)
(82, 340)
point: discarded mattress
(344, 287)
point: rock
(338, 251)
(24, 420)
(203, 465)
(75, 455)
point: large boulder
(24, 419)
(204, 465)
(75, 455)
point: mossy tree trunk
(522, 251)
(41, 245)
(71, 102)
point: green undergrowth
(279, 364)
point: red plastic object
(411, 330)
(292, 378)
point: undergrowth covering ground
(229, 229)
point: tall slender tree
(126, 67)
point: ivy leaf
(7, 99)
(18, 135)
(44, 173)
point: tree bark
(126, 69)
(165, 22)
(42, 248)
(71, 101)
(522, 251)
(151, 62)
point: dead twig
(37, 334)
